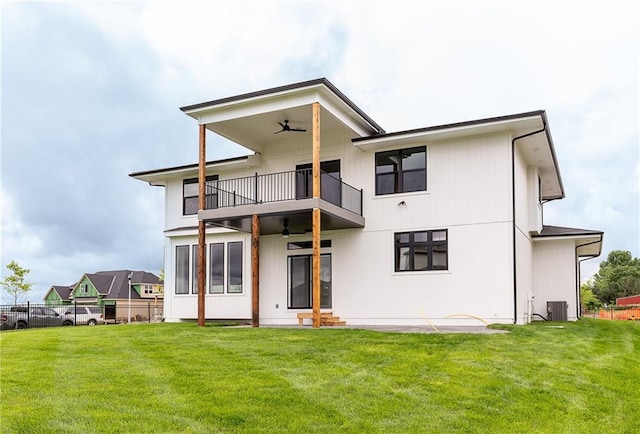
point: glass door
(330, 182)
(300, 285)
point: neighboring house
(629, 300)
(58, 295)
(441, 224)
(112, 290)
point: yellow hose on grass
(427, 320)
(467, 315)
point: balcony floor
(298, 214)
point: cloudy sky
(91, 92)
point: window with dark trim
(190, 195)
(182, 269)
(194, 268)
(421, 250)
(401, 170)
(234, 268)
(221, 272)
(216, 268)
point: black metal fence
(32, 315)
(278, 187)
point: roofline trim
(289, 87)
(569, 235)
(211, 163)
(454, 125)
(552, 147)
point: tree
(587, 298)
(15, 284)
(618, 276)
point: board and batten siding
(523, 242)
(555, 275)
(468, 182)
(468, 194)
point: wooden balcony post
(201, 228)
(315, 162)
(255, 271)
(315, 167)
(316, 268)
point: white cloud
(18, 241)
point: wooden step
(332, 321)
(335, 322)
(326, 319)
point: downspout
(579, 262)
(513, 214)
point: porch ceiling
(251, 120)
(257, 131)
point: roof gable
(58, 292)
(120, 287)
(250, 119)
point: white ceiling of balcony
(252, 121)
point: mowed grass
(177, 378)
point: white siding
(173, 211)
(468, 193)
(555, 276)
(468, 182)
(524, 244)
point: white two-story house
(330, 213)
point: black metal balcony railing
(279, 187)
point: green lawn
(163, 378)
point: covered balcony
(283, 201)
(297, 202)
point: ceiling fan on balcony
(287, 128)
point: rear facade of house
(440, 225)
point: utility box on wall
(557, 310)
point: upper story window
(401, 170)
(190, 195)
(422, 250)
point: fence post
(28, 312)
(75, 312)
(149, 311)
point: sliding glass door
(330, 183)
(300, 286)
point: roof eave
(297, 94)
(158, 176)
